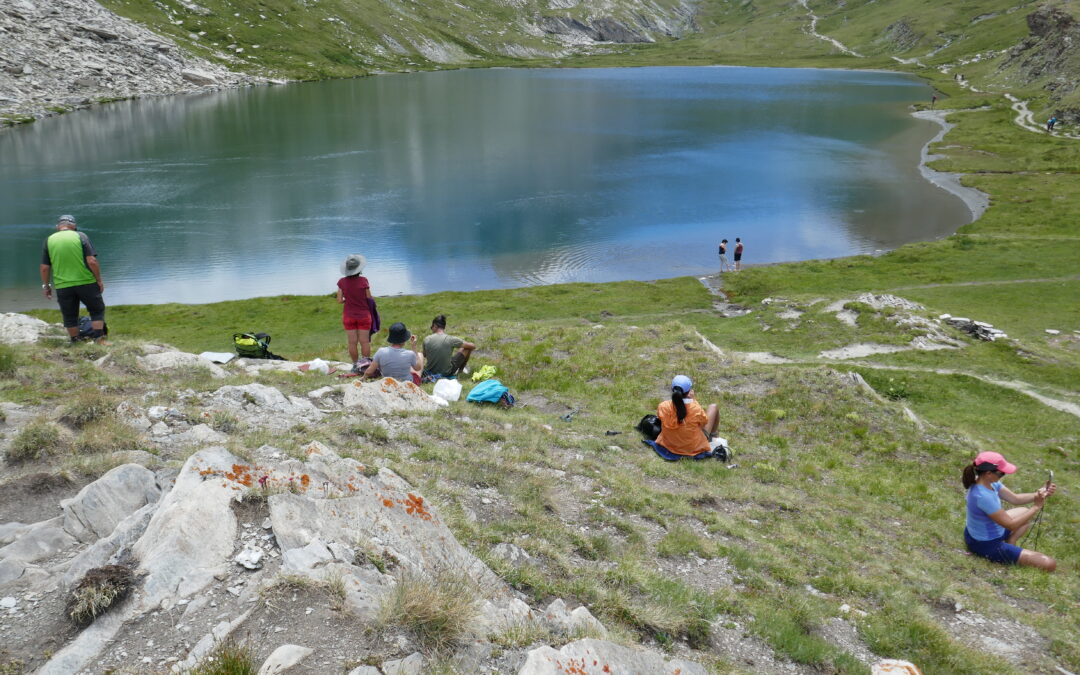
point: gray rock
(607, 657)
(208, 642)
(365, 670)
(413, 664)
(19, 328)
(200, 434)
(386, 396)
(511, 553)
(165, 361)
(96, 510)
(303, 559)
(283, 658)
(110, 550)
(103, 33)
(199, 77)
(42, 540)
(133, 416)
(9, 532)
(178, 552)
(250, 558)
(11, 570)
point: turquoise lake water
(472, 179)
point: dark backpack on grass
(649, 426)
(254, 346)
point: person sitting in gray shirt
(395, 361)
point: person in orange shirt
(685, 428)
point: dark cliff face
(1050, 56)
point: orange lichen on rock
(414, 506)
(388, 503)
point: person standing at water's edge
(354, 294)
(724, 264)
(738, 254)
(69, 265)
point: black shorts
(70, 297)
(738, 257)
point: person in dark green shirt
(69, 266)
(439, 353)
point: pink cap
(996, 459)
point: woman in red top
(353, 292)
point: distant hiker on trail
(724, 265)
(69, 264)
(992, 532)
(357, 315)
(933, 101)
(685, 428)
(439, 353)
(738, 254)
(1051, 123)
(404, 365)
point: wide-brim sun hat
(993, 460)
(399, 334)
(353, 265)
(682, 382)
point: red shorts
(352, 323)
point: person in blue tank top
(991, 531)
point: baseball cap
(65, 219)
(993, 460)
(682, 382)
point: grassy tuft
(438, 610)
(8, 361)
(99, 589)
(229, 658)
(37, 439)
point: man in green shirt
(69, 266)
(439, 357)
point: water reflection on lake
(472, 179)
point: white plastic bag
(320, 366)
(447, 389)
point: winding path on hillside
(814, 18)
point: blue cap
(682, 382)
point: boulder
(263, 406)
(42, 540)
(178, 361)
(599, 657)
(20, 328)
(111, 549)
(198, 77)
(133, 416)
(284, 658)
(178, 552)
(511, 553)
(386, 396)
(200, 434)
(96, 510)
(413, 664)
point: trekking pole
(1038, 518)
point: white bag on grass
(447, 389)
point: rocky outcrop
(64, 54)
(1049, 56)
(20, 328)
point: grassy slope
(879, 499)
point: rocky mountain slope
(64, 54)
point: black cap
(399, 334)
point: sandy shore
(976, 200)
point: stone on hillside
(96, 510)
(284, 658)
(597, 657)
(20, 328)
(178, 361)
(40, 541)
(562, 621)
(303, 559)
(413, 664)
(133, 416)
(511, 553)
(500, 616)
(9, 532)
(386, 396)
(264, 406)
(250, 558)
(198, 77)
(200, 434)
(110, 550)
(178, 552)
(365, 670)
(885, 300)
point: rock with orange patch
(600, 657)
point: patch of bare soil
(730, 640)
(706, 574)
(35, 628)
(845, 635)
(35, 497)
(1013, 641)
(538, 401)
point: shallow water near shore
(472, 179)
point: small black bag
(649, 426)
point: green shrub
(106, 435)
(89, 405)
(37, 439)
(7, 361)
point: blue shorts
(994, 550)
